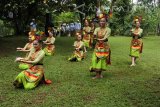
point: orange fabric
(48, 81)
(137, 44)
(31, 75)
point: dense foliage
(18, 13)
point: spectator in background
(33, 25)
(79, 25)
(71, 26)
(67, 28)
(63, 28)
(59, 31)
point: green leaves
(66, 17)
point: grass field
(122, 85)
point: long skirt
(30, 78)
(100, 59)
(136, 48)
(49, 50)
(77, 56)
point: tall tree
(121, 19)
(23, 11)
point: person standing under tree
(33, 25)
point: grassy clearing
(122, 86)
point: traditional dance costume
(87, 36)
(50, 49)
(136, 43)
(78, 54)
(31, 77)
(101, 54)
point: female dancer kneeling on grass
(78, 54)
(31, 77)
(50, 48)
(101, 54)
(136, 43)
(28, 47)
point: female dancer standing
(101, 54)
(136, 43)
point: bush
(6, 29)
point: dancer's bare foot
(101, 76)
(97, 77)
(133, 65)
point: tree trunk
(80, 2)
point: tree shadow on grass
(8, 45)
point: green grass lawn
(122, 85)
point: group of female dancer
(89, 37)
(97, 38)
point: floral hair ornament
(38, 35)
(101, 16)
(33, 37)
(137, 19)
